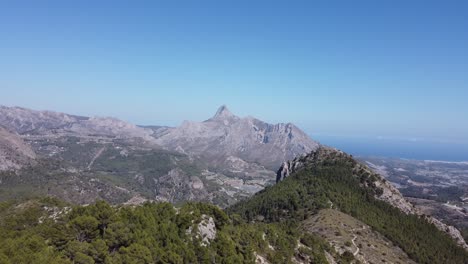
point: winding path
(354, 240)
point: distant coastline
(398, 148)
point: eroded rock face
(391, 195)
(288, 168)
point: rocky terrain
(346, 233)
(220, 160)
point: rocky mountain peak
(223, 113)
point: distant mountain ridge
(27, 121)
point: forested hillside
(332, 182)
(48, 231)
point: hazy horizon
(368, 145)
(388, 70)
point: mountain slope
(332, 179)
(14, 152)
(346, 233)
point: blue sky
(354, 68)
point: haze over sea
(415, 148)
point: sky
(380, 69)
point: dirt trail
(354, 240)
(95, 157)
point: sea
(417, 149)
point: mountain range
(219, 160)
(287, 198)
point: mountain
(226, 138)
(22, 120)
(14, 152)
(30, 122)
(220, 160)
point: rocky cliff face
(249, 139)
(14, 152)
(385, 191)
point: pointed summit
(223, 112)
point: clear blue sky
(377, 68)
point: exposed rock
(259, 259)
(207, 230)
(288, 168)
(450, 230)
(391, 195)
(54, 213)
